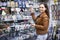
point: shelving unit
(56, 11)
(20, 22)
(56, 18)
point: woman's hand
(31, 10)
(33, 25)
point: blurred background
(15, 19)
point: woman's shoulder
(45, 16)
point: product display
(12, 3)
(4, 4)
(17, 23)
(0, 4)
(16, 4)
(56, 11)
(8, 4)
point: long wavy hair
(47, 10)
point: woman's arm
(32, 13)
(33, 16)
(45, 24)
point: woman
(41, 21)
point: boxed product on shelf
(19, 4)
(12, 4)
(16, 4)
(8, 4)
(0, 4)
(4, 4)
